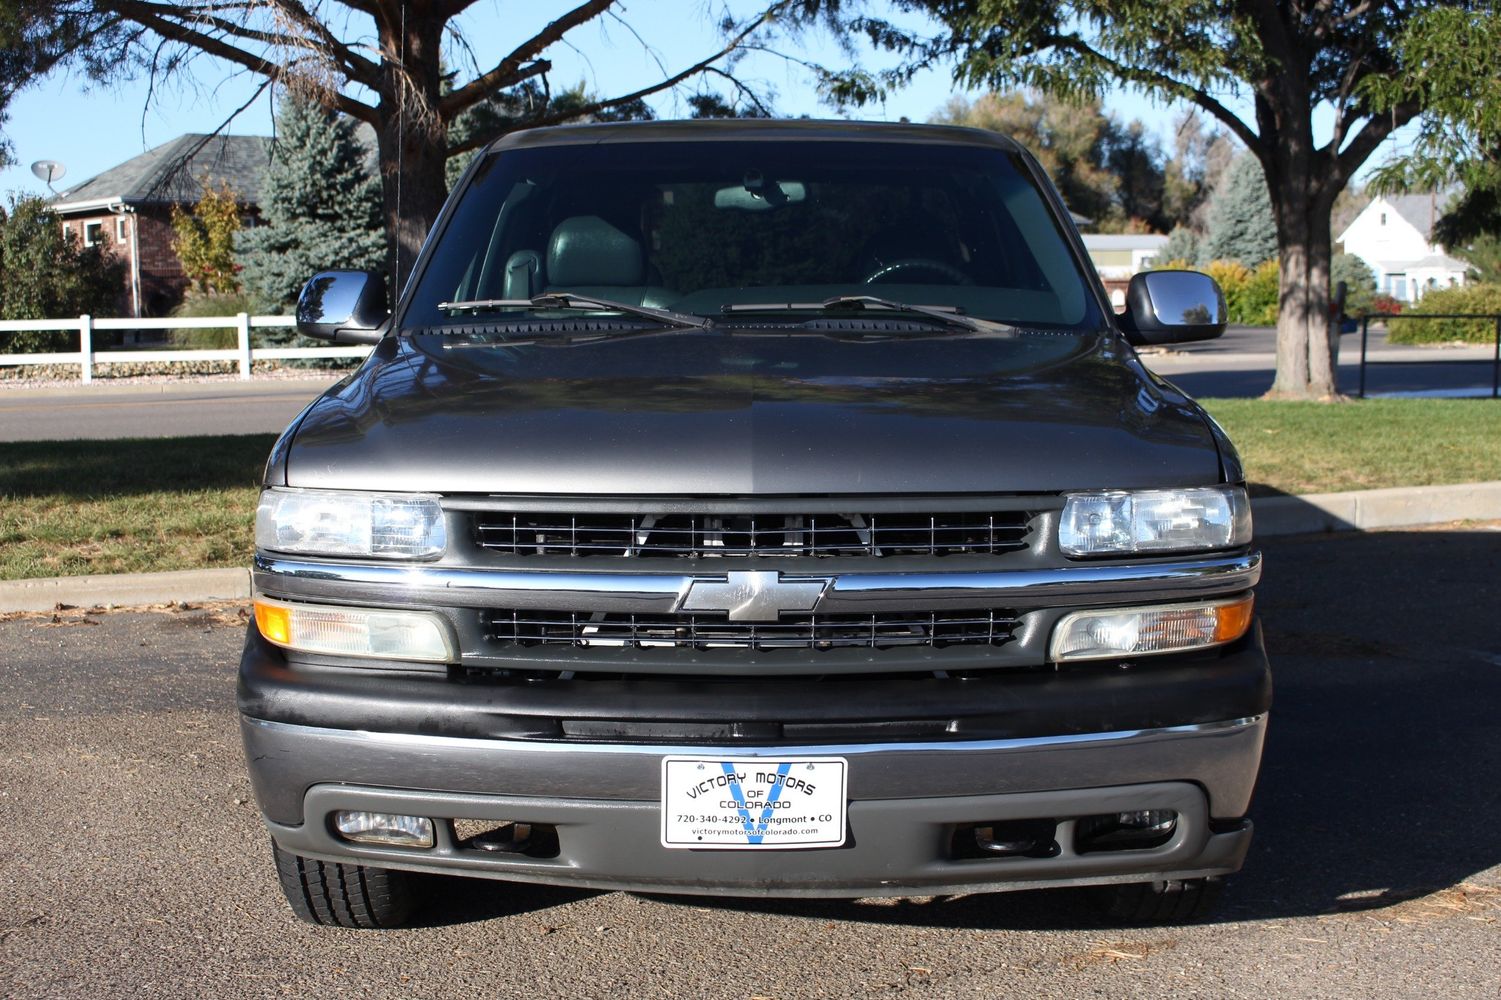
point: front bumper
(907, 803)
(1183, 733)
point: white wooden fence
(243, 353)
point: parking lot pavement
(134, 863)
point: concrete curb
(1366, 510)
(45, 593)
(1360, 510)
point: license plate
(753, 803)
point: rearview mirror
(760, 195)
(347, 307)
(1173, 307)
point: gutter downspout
(122, 209)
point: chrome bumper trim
(413, 741)
(850, 592)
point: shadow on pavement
(1379, 781)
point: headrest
(587, 250)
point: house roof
(1420, 210)
(1124, 241)
(176, 172)
(1441, 261)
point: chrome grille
(582, 629)
(746, 535)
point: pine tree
(1183, 244)
(320, 206)
(1241, 227)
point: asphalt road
(1241, 363)
(157, 409)
(134, 864)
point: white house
(1118, 256)
(1394, 235)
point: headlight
(339, 631)
(1114, 523)
(1110, 633)
(336, 523)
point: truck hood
(752, 413)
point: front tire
(1169, 901)
(340, 895)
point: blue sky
(90, 131)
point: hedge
(1482, 299)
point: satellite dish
(49, 171)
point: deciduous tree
(1281, 60)
(37, 35)
(384, 62)
(46, 273)
(204, 240)
(1106, 172)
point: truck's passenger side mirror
(1173, 307)
(347, 307)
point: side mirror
(1173, 307)
(347, 307)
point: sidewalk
(1363, 510)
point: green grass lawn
(77, 507)
(1362, 445)
(134, 506)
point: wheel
(339, 895)
(894, 271)
(1171, 901)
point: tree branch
(744, 91)
(1371, 135)
(147, 15)
(356, 67)
(504, 72)
(703, 65)
(1158, 80)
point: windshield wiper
(946, 315)
(571, 300)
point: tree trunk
(411, 138)
(1301, 203)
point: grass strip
(69, 508)
(1362, 445)
(138, 505)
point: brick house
(129, 207)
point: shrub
(1359, 279)
(46, 274)
(1232, 277)
(1479, 299)
(1386, 305)
(1258, 304)
(213, 304)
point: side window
(120, 233)
(93, 232)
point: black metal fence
(1494, 362)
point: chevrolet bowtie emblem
(754, 596)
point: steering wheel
(883, 274)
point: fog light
(384, 828)
(1163, 628)
(390, 635)
(1141, 828)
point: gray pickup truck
(754, 508)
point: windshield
(718, 227)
